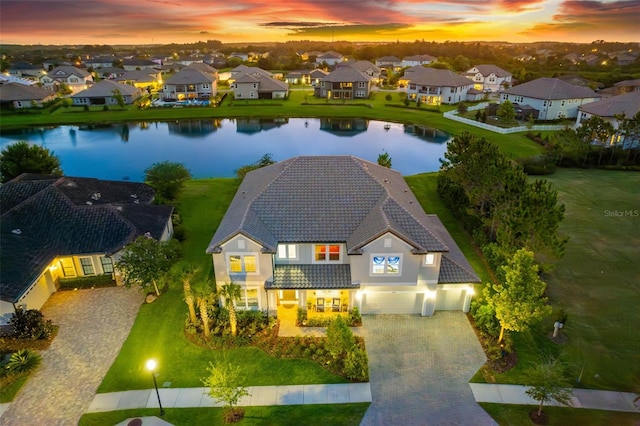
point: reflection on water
(216, 148)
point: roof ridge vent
(17, 231)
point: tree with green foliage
(147, 260)
(21, 157)
(506, 112)
(117, 95)
(462, 108)
(225, 385)
(340, 338)
(384, 160)
(205, 296)
(519, 301)
(265, 160)
(186, 273)
(547, 381)
(167, 178)
(231, 293)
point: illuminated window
(385, 265)
(327, 253)
(239, 264)
(430, 259)
(66, 263)
(248, 300)
(87, 266)
(287, 251)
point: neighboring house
(344, 83)
(389, 62)
(552, 97)
(22, 96)
(244, 57)
(142, 79)
(55, 227)
(242, 69)
(216, 59)
(100, 62)
(75, 78)
(138, 64)
(26, 69)
(365, 67)
(316, 75)
(609, 110)
(110, 72)
(188, 60)
(190, 83)
(434, 86)
(256, 83)
(200, 66)
(627, 86)
(489, 78)
(338, 229)
(329, 58)
(297, 77)
(103, 93)
(417, 60)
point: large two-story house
(192, 82)
(63, 227)
(435, 86)
(489, 78)
(611, 110)
(256, 83)
(551, 97)
(76, 79)
(309, 231)
(345, 82)
(106, 92)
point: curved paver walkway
(93, 326)
(419, 369)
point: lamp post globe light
(151, 366)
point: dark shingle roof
(190, 76)
(19, 92)
(551, 88)
(627, 104)
(435, 77)
(42, 219)
(325, 199)
(311, 276)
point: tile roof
(50, 217)
(550, 88)
(435, 77)
(325, 199)
(486, 69)
(346, 74)
(105, 88)
(64, 71)
(19, 92)
(317, 277)
(190, 76)
(627, 104)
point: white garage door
(399, 302)
(450, 299)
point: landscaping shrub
(302, 316)
(30, 325)
(339, 338)
(87, 282)
(355, 320)
(538, 165)
(21, 362)
(356, 364)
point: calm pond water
(216, 148)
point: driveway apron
(93, 326)
(419, 370)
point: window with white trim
(243, 264)
(68, 270)
(107, 264)
(327, 253)
(248, 300)
(287, 251)
(430, 259)
(386, 264)
(87, 266)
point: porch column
(428, 303)
(302, 299)
(468, 294)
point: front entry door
(289, 297)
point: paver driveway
(419, 370)
(93, 326)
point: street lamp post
(151, 366)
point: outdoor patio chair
(320, 304)
(335, 307)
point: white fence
(453, 115)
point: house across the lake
(338, 232)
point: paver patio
(419, 370)
(93, 326)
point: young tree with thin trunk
(186, 273)
(205, 296)
(224, 383)
(231, 293)
(547, 381)
(519, 301)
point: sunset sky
(182, 21)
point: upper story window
(385, 264)
(243, 264)
(287, 251)
(327, 253)
(430, 259)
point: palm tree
(205, 295)
(186, 273)
(231, 293)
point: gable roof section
(435, 77)
(550, 88)
(190, 76)
(346, 74)
(487, 69)
(200, 66)
(325, 199)
(19, 92)
(64, 71)
(627, 104)
(46, 218)
(139, 76)
(105, 88)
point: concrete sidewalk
(258, 396)
(582, 398)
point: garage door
(399, 302)
(450, 299)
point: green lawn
(158, 330)
(518, 415)
(312, 415)
(377, 108)
(597, 283)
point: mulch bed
(541, 419)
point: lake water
(216, 148)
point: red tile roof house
(55, 227)
(552, 97)
(342, 230)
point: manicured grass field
(518, 415)
(312, 415)
(597, 283)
